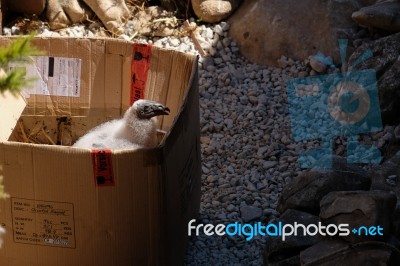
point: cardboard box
(72, 206)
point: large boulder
(334, 252)
(286, 252)
(360, 208)
(386, 62)
(306, 190)
(267, 29)
(384, 15)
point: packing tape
(139, 68)
(102, 168)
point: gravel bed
(246, 149)
(248, 155)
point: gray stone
(269, 164)
(212, 11)
(205, 170)
(218, 60)
(211, 179)
(174, 42)
(250, 213)
(221, 216)
(183, 47)
(262, 150)
(317, 65)
(283, 62)
(244, 100)
(231, 208)
(218, 29)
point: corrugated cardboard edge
(182, 170)
(179, 155)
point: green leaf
(18, 50)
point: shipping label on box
(58, 76)
(43, 222)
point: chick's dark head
(146, 109)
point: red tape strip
(102, 168)
(139, 68)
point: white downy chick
(137, 129)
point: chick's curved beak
(161, 110)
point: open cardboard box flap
(11, 108)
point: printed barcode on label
(51, 66)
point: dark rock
(27, 7)
(360, 208)
(393, 240)
(208, 61)
(389, 168)
(367, 2)
(290, 216)
(397, 132)
(306, 190)
(386, 62)
(384, 16)
(334, 252)
(322, 250)
(279, 252)
(396, 222)
(289, 261)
